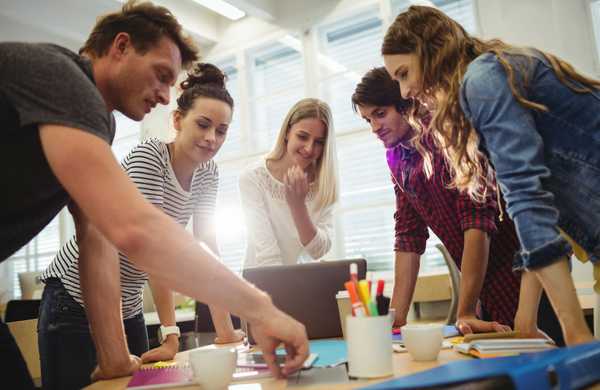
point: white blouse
(272, 237)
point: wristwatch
(164, 331)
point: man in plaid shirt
(481, 245)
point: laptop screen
(307, 292)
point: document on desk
(320, 376)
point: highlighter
(363, 291)
(369, 278)
(357, 307)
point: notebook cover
(160, 377)
(449, 331)
(572, 367)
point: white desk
(151, 318)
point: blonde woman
(288, 197)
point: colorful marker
(363, 290)
(357, 308)
(369, 278)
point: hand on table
(470, 324)
(274, 329)
(230, 338)
(166, 351)
(296, 185)
(115, 369)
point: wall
(561, 27)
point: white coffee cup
(369, 342)
(213, 368)
(423, 341)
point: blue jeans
(67, 351)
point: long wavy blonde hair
(326, 168)
(444, 51)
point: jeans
(67, 351)
(547, 162)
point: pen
(357, 307)
(383, 303)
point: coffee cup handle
(182, 371)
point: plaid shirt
(422, 203)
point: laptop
(307, 292)
(31, 285)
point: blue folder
(561, 368)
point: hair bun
(204, 73)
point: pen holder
(369, 342)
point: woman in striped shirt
(181, 179)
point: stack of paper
(502, 347)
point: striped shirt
(148, 165)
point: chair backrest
(30, 284)
(25, 334)
(22, 309)
(455, 282)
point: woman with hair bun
(288, 197)
(180, 178)
(538, 121)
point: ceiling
(69, 22)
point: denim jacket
(547, 162)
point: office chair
(455, 282)
(22, 309)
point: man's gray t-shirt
(40, 83)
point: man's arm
(473, 269)
(100, 282)
(87, 169)
(406, 272)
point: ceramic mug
(423, 341)
(213, 368)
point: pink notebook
(161, 377)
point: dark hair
(146, 24)
(205, 80)
(377, 88)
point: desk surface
(403, 365)
(151, 318)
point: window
(348, 47)
(230, 224)
(276, 82)
(459, 10)
(127, 137)
(39, 252)
(343, 48)
(233, 144)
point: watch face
(160, 337)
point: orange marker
(357, 307)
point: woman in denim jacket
(538, 122)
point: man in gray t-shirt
(56, 128)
